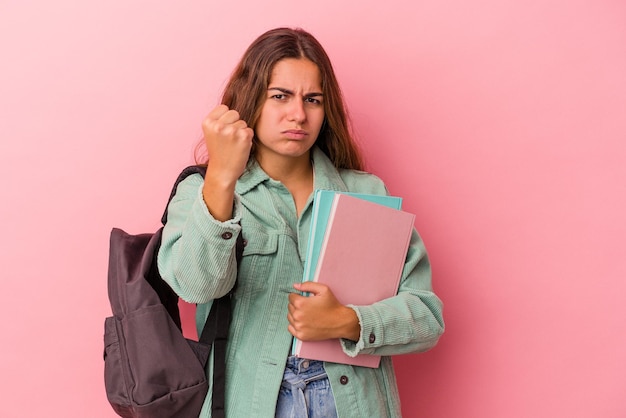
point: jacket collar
(326, 175)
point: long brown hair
(246, 90)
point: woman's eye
(313, 100)
(279, 96)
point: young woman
(280, 133)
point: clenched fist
(228, 141)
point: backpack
(150, 369)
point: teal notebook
(322, 205)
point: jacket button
(227, 235)
(245, 242)
(372, 338)
(343, 380)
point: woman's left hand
(320, 316)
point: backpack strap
(215, 332)
(192, 169)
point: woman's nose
(297, 112)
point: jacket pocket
(259, 251)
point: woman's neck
(296, 174)
(286, 169)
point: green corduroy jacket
(197, 259)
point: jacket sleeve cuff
(371, 332)
(202, 212)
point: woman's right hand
(228, 141)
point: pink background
(501, 123)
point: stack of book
(357, 247)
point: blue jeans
(305, 391)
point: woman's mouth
(295, 134)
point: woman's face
(293, 112)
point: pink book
(361, 260)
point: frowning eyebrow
(287, 91)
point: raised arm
(197, 253)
